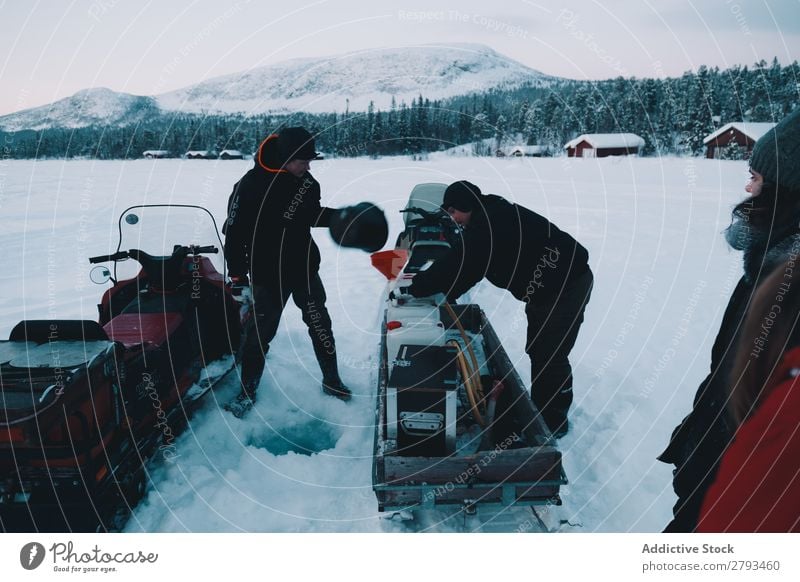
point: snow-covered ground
(663, 275)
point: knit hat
(296, 143)
(462, 195)
(776, 156)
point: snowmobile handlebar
(197, 250)
(179, 251)
(434, 215)
(163, 272)
(103, 258)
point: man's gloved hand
(362, 226)
(240, 288)
(400, 294)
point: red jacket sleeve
(757, 487)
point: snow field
(302, 461)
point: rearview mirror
(100, 275)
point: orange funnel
(389, 263)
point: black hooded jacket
(514, 248)
(270, 214)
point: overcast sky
(52, 48)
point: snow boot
(561, 430)
(556, 422)
(244, 401)
(332, 384)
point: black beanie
(463, 196)
(776, 156)
(296, 143)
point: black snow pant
(261, 329)
(552, 330)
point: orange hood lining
(259, 155)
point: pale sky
(52, 48)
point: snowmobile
(455, 426)
(87, 405)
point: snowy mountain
(354, 79)
(313, 85)
(98, 106)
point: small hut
(200, 155)
(155, 154)
(735, 139)
(600, 145)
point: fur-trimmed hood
(758, 265)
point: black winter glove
(362, 226)
(399, 293)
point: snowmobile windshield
(158, 228)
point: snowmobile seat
(48, 330)
(57, 354)
(133, 329)
(31, 374)
(10, 350)
(156, 303)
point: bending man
(519, 250)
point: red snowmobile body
(86, 405)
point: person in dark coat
(765, 228)
(267, 235)
(757, 486)
(519, 250)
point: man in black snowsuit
(267, 234)
(519, 250)
(765, 227)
